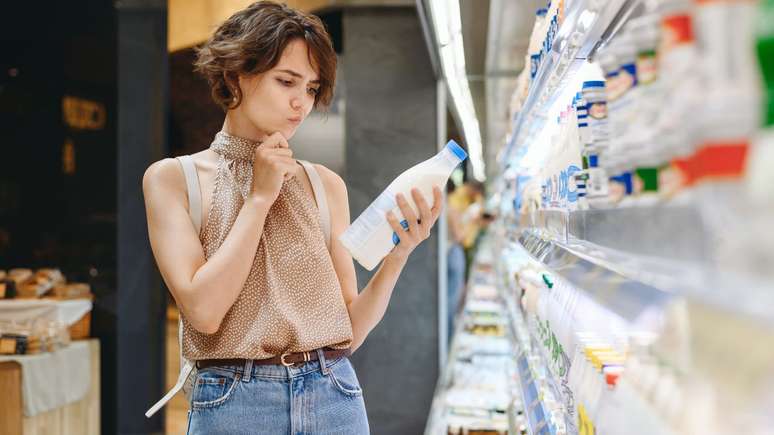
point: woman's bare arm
(204, 290)
(367, 308)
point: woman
(270, 313)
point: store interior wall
(142, 139)
(391, 124)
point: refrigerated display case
(634, 242)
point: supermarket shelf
(464, 353)
(605, 280)
(618, 257)
(643, 231)
(526, 344)
(435, 424)
(523, 371)
(580, 35)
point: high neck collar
(233, 147)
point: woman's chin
(288, 132)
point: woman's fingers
(276, 140)
(394, 224)
(437, 203)
(425, 215)
(284, 152)
(408, 214)
(418, 226)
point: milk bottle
(371, 237)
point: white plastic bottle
(371, 237)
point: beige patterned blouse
(292, 300)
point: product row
(476, 390)
(679, 95)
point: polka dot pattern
(292, 300)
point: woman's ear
(232, 82)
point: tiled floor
(177, 408)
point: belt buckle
(283, 362)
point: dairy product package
(370, 237)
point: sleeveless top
(291, 300)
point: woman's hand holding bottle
(418, 226)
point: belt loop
(248, 371)
(321, 359)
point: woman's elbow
(208, 327)
(205, 322)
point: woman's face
(280, 99)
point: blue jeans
(273, 399)
(455, 282)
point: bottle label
(647, 67)
(598, 111)
(720, 160)
(534, 64)
(611, 85)
(376, 214)
(676, 30)
(597, 185)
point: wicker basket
(81, 329)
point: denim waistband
(277, 371)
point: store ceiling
(191, 22)
(496, 35)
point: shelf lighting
(447, 26)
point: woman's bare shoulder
(331, 179)
(163, 175)
(163, 181)
(336, 191)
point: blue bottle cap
(457, 150)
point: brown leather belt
(287, 359)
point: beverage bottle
(370, 237)
(759, 175)
(765, 50)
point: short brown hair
(252, 41)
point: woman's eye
(285, 82)
(314, 91)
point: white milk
(371, 237)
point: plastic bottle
(645, 34)
(370, 237)
(596, 106)
(678, 72)
(730, 109)
(759, 176)
(728, 120)
(535, 42)
(765, 51)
